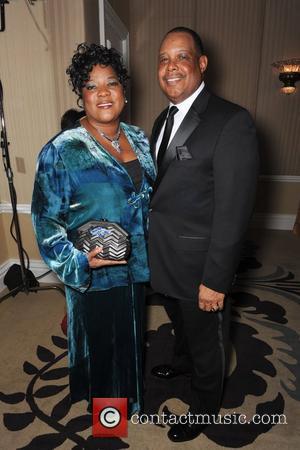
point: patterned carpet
(264, 376)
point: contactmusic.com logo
(110, 417)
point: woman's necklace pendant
(116, 145)
(114, 141)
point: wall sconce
(2, 14)
(289, 74)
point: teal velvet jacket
(78, 181)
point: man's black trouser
(201, 347)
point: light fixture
(289, 74)
(2, 14)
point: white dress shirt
(183, 109)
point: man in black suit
(206, 153)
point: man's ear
(203, 61)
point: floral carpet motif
(264, 375)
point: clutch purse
(113, 239)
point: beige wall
(277, 197)
(3, 246)
(28, 238)
(36, 90)
(36, 93)
(29, 91)
(65, 20)
(242, 37)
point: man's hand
(95, 263)
(210, 300)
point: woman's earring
(80, 102)
(126, 101)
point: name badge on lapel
(182, 153)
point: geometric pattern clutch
(108, 235)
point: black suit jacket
(201, 206)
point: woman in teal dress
(99, 169)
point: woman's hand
(95, 262)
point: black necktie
(166, 136)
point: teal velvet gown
(106, 330)
(78, 181)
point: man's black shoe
(166, 371)
(184, 432)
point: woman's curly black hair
(86, 57)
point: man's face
(180, 69)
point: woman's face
(103, 96)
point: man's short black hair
(196, 38)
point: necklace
(114, 141)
